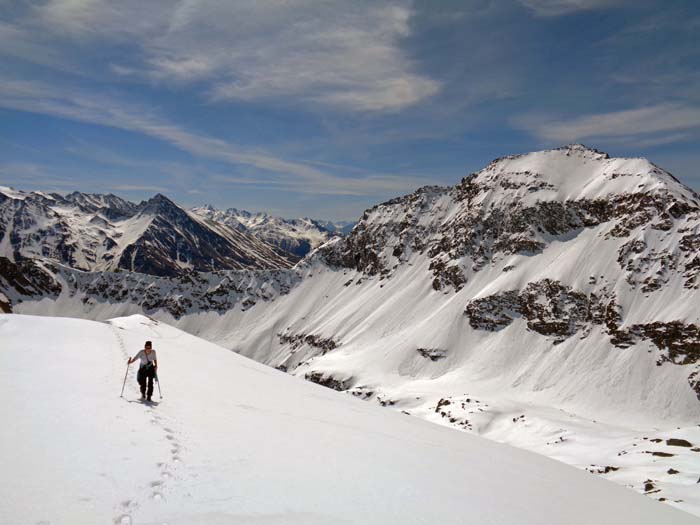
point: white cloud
(629, 124)
(342, 54)
(298, 176)
(565, 7)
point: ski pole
(158, 382)
(125, 374)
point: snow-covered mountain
(339, 227)
(292, 236)
(104, 232)
(548, 301)
(233, 441)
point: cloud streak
(627, 125)
(89, 108)
(345, 55)
(566, 7)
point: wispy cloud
(137, 188)
(86, 107)
(346, 55)
(566, 7)
(36, 176)
(630, 125)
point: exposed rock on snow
(103, 232)
(561, 288)
(507, 210)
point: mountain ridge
(547, 300)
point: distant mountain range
(549, 301)
(94, 232)
(293, 238)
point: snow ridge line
(128, 506)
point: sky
(325, 108)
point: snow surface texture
(237, 442)
(548, 301)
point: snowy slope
(548, 301)
(292, 236)
(236, 442)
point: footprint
(169, 431)
(170, 437)
(157, 496)
(124, 519)
(166, 475)
(126, 503)
(155, 484)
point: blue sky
(323, 109)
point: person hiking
(147, 369)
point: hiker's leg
(141, 378)
(151, 375)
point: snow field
(234, 441)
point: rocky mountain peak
(159, 204)
(517, 205)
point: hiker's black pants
(146, 374)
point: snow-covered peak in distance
(8, 191)
(104, 232)
(233, 441)
(106, 203)
(296, 236)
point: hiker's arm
(132, 359)
(155, 363)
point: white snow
(582, 401)
(236, 442)
(13, 193)
(272, 229)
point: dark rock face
(483, 228)
(680, 341)
(297, 248)
(302, 348)
(549, 307)
(190, 292)
(29, 215)
(109, 205)
(24, 279)
(434, 354)
(85, 231)
(329, 381)
(174, 236)
(298, 340)
(676, 442)
(555, 310)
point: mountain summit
(548, 301)
(104, 232)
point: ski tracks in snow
(166, 469)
